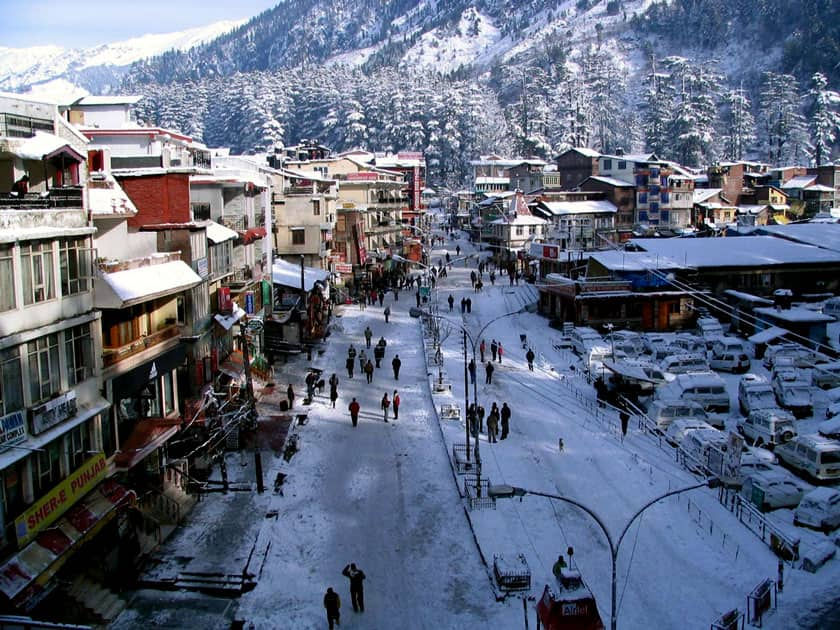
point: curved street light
(505, 492)
(473, 343)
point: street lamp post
(512, 491)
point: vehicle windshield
(831, 457)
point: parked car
(769, 491)
(735, 362)
(582, 337)
(657, 346)
(680, 427)
(813, 455)
(820, 509)
(830, 428)
(627, 341)
(689, 343)
(768, 427)
(726, 345)
(664, 412)
(833, 408)
(793, 393)
(755, 392)
(801, 356)
(709, 327)
(832, 308)
(684, 363)
(698, 444)
(826, 375)
(705, 388)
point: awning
(769, 334)
(234, 365)
(287, 274)
(121, 289)
(25, 574)
(148, 435)
(227, 321)
(249, 236)
(219, 233)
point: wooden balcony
(111, 356)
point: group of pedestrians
(332, 602)
(496, 417)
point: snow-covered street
(386, 495)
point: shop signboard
(249, 302)
(12, 429)
(61, 498)
(53, 411)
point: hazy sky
(85, 23)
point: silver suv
(768, 427)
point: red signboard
(225, 301)
(361, 177)
(550, 251)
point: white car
(678, 429)
(820, 509)
(755, 392)
(768, 427)
(793, 393)
(830, 428)
(769, 491)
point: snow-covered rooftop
(108, 100)
(825, 235)
(612, 181)
(617, 260)
(744, 251)
(579, 207)
(120, 289)
(800, 181)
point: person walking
(351, 351)
(492, 425)
(332, 603)
(451, 301)
(494, 348)
(369, 371)
(500, 351)
(463, 305)
(386, 405)
(354, 408)
(505, 416)
(488, 372)
(381, 297)
(362, 360)
(396, 363)
(357, 586)
(333, 389)
(379, 352)
(481, 348)
(529, 357)
(493, 278)
(471, 369)
(417, 297)
(480, 415)
(368, 336)
(472, 279)
(290, 395)
(457, 250)
(395, 403)
(349, 363)
(311, 380)
(387, 313)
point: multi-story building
(491, 175)
(412, 165)
(622, 195)
(55, 452)
(303, 207)
(527, 176)
(579, 225)
(577, 165)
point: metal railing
(113, 355)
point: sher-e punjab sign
(57, 501)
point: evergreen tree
(823, 117)
(737, 127)
(785, 136)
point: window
(7, 278)
(607, 165)
(642, 197)
(168, 394)
(316, 207)
(298, 236)
(37, 266)
(43, 368)
(220, 258)
(77, 353)
(74, 262)
(654, 171)
(78, 445)
(200, 298)
(532, 230)
(520, 230)
(49, 467)
(200, 211)
(622, 165)
(11, 381)
(198, 245)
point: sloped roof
(579, 207)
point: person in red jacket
(354, 411)
(395, 403)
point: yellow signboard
(60, 499)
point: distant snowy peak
(23, 68)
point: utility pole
(251, 424)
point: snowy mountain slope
(95, 69)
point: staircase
(98, 603)
(217, 584)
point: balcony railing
(235, 222)
(54, 198)
(298, 190)
(111, 356)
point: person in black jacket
(396, 363)
(332, 602)
(505, 415)
(357, 587)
